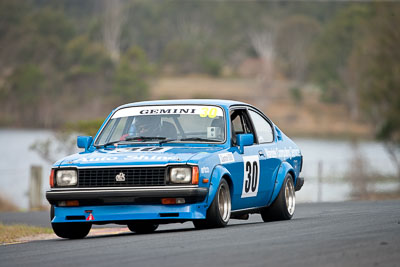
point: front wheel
(219, 213)
(71, 230)
(142, 227)
(284, 205)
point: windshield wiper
(167, 140)
(199, 139)
(145, 138)
(108, 144)
(136, 138)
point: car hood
(132, 156)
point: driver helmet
(148, 125)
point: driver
(148, 126)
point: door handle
(261, 153)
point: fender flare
(218, 172)
(284, 169)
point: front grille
(133, 177)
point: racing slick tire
(142, 227)
(219, 213)
(69, 230)
(284, 205)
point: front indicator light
(66, 178)
(195, 175)
(68, 203)
(52, 178)
(172, 201)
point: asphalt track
(321, 234)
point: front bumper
(126, 195)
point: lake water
(16, 159)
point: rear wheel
(71, 230)
(219, 213)
(284, 205)
(142, 227)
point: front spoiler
(123, 214)
(126, 195)
(299, 183)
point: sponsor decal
(168, 111)
(296, 153)
(282, 153)
(226, 157)
(97, 159)
(273, 153)
(205, 170)
(202, 111)
(128, 158)
(140, 149)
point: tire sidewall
(278, 210)
(214, 209)
(282, 196)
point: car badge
(120, 177)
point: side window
(262, 128)
(237, 125)
(240, 123)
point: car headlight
(66, 178)
(180, 175)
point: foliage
(26, 87)
(55, 66)
(294, 45)
(86, 127)
(212, 67)
(61, 143)
(85, 57)
(333, 47)
(11, 13)
(380, 67)
(48, 69)
(378, 62)
(131, 74)
(296, 94)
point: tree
(332, 51)
(113, 21)
(25, 88)
(263, 42)
(131, 76)
(378, 60)
(295, 37)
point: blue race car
(158, 162)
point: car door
(248, 190)
(269, 160)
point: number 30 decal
(251, 177)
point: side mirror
(244, 140)
(84, 142)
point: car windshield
(177, 123)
